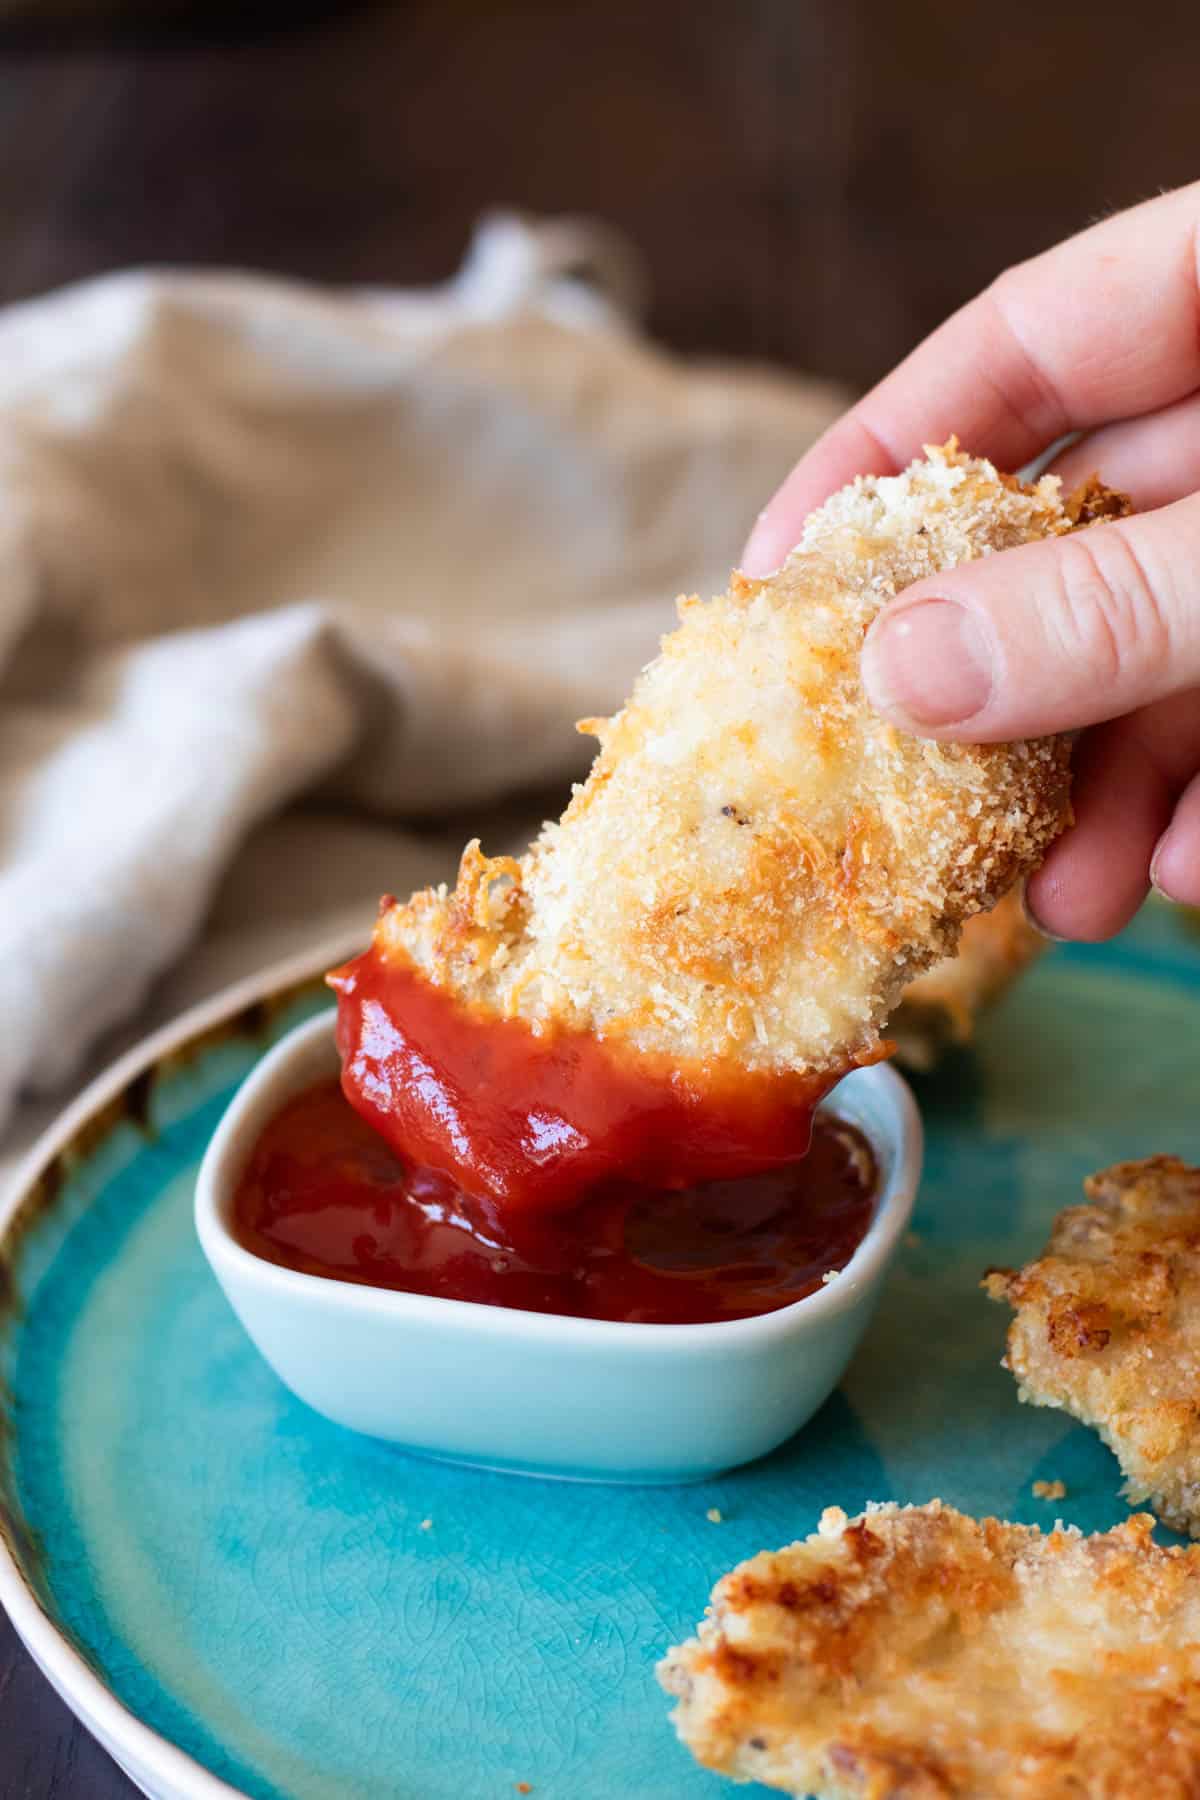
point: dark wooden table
(813, 181)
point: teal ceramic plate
(239, 1598)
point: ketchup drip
(322, 1192)
(537, 1123)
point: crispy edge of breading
(808, 1656)
(1107, 1326)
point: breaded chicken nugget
(941, 1006)
(758, 863)
(1107, 1327)
(917, 1654)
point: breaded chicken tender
(757, 863)
(918, 1654)
(1107, 1327)
(942, 1005)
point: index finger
(1105, 326)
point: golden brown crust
(918, 1654)
(758, 864)
(942, 1005)
(1107, 1326)
(1091, 501)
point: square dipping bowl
(540, 1393)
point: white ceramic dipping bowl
(538, 1393)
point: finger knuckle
(1111, 617)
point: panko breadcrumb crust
(918, 1654)
(758, 863)
(1107, 1327)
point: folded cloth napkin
(264, 546)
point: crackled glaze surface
(315, 1616)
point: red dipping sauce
(538, 1122)
(324, 1193)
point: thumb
(1046, 637)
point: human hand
(1100, 628)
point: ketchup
(323, 1192)
(534, 1121)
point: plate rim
(121, 1733)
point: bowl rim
(261, 1093)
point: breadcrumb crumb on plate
(758, 864)
(915, 1653)
(1107, 1326)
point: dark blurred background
(817, 182)
(814, 182)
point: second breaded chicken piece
(1107, 1326)
(942, 1005)
(758, 863)
(918, 1654)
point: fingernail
(1031, 917)
(1157, 881)
(928, 664)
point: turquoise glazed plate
(240, 1599)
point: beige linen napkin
(266, 547)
